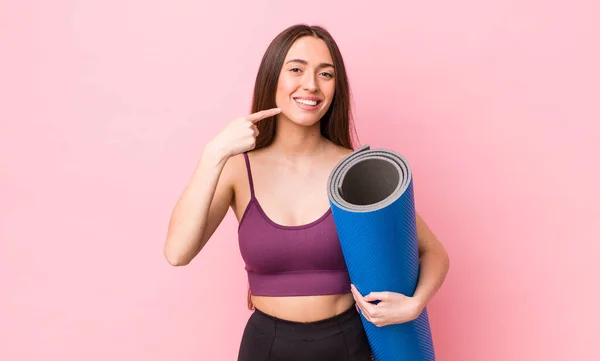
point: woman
(271, 167)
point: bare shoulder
(234, 169)
(338, 152)
(262, 157)
(233, 165)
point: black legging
(340, 338)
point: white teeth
(306, 102)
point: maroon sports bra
(290, 260)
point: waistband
(278, 327)
(306, 283)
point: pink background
(105, 107)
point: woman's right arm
(208, 195)
(200, 208)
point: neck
(295, 140)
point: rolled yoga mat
(371, 196)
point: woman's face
(306, 83)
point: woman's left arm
(434, 263)
(397, 308)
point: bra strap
(249, 175)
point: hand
(240, 135)
(393, 308)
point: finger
(366, 307)
(255, 129)
(255, 117)
(354, 289)
(355, 293)
(362, 312)
(357, 296)
(379, 322)
(377, 296)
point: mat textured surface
(372, 201)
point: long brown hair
(337, 123)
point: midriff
(303, 308)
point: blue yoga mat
(371, 196)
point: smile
(307, 102)
(310, 105)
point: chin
(305, 120)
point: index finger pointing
(255, 117)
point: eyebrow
(322, 65)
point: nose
(309, 83)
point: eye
(295, 70)
(327, 75)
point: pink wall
(106, 105)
